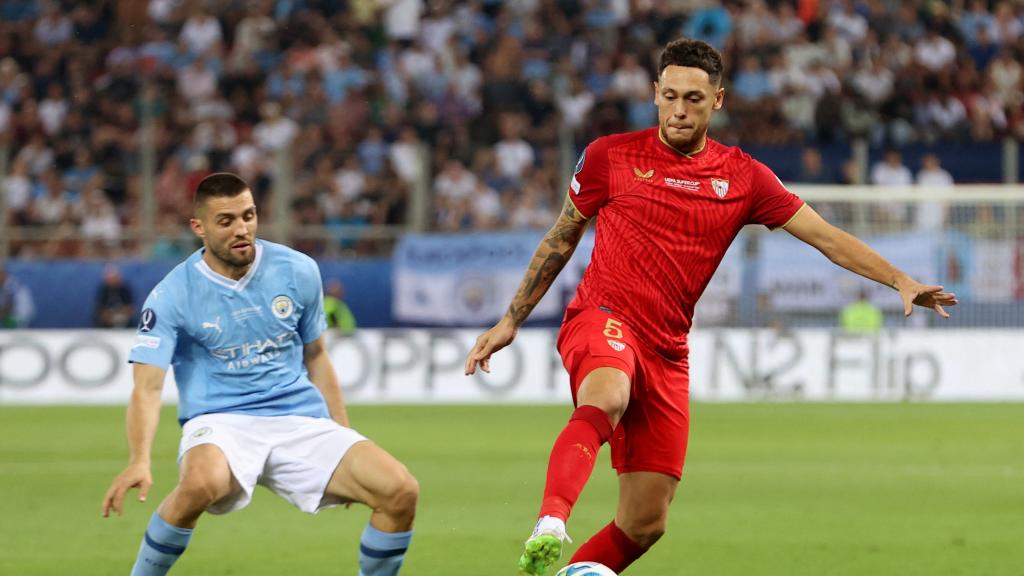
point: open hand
(488, 343)
(134, 476)
(926, 296)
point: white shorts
(294, 456)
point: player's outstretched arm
(323, 376)
(853, 254)
(140, 424)
(548, 260)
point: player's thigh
(607, 388)
(644, 499)
(205, 473)
(598, 351)
(370, 475)
(654, 431)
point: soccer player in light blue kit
(242, 323)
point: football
(585, 569)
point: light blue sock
(161, 546)
(382, 553)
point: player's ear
(656, 93)
(197, 227)
(719, 98)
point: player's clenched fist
(134, 476)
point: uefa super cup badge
(282, 306)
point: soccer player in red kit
(670, 202)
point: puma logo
(214, 325)
(644, 176)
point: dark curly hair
(692, 54)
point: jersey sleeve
(157, 333)
(588, 189)
(313, 321)
(773, 205)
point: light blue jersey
(237, 346)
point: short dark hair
(219, 185)
(692, 54)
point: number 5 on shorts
(613, 328)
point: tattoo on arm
(549, 259)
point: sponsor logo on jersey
(692, 185)
(641, 176)
(215, 325)
(721, 187)
(282, 306)
(252, 353)
(147, 320)
(248, 312)
(144, 341)
(616, 345)
(575, 184)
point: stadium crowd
(354, 93)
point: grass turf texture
(787, 489)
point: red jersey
(666, 221)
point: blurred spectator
(712, 24)
(935, 52)
(891, 171)
(52, 202)
(54, 27)
(932, 174)
(115, 305)
(514, 155)
(574, 106)
(812, 170)
(404, 155)
(16, 305)
(1005, 73)
(851, 25)
(17, 191)
(402, 18)
(101, 228)
(276, 131)
(874, 81)
(931, 215)
(861, 317)
(339, 315)
(201, 33)
(453, 185)
(752, 81)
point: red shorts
(652, 435)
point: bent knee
(645, 532)
(201, 492)
(402, 495)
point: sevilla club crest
(721, 187)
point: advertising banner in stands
(464, 279)
(425, 366)
(470, 279)
(795, 277)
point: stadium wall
(420, 366)
(65, 291)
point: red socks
(572, 459)
(610, 547)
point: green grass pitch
(769, 489)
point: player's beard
(233, 260)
